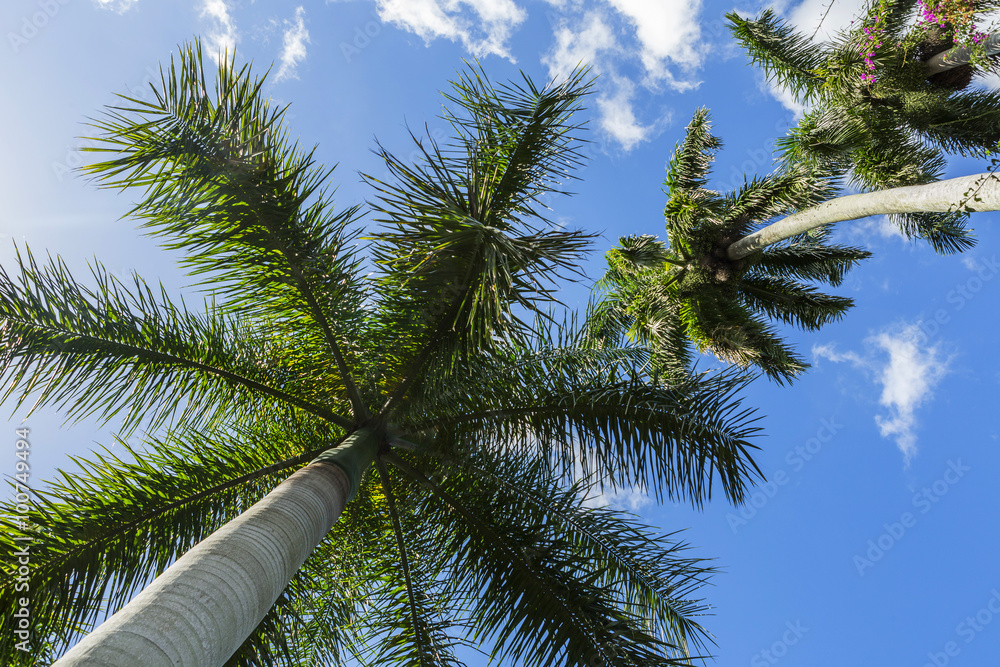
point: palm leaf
(108, 349)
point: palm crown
(872, 112)
(689, 293)
(481, 403)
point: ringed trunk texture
(959, 55)
(941, 196)
(205, 605)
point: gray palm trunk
(979, 192)
(205, 605)
(959, 55)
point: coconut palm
(690, 293)
(873, 114)
(440, 396)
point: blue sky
(875, 541)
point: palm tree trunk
(203, 607)
(959, 55)
(980, 192)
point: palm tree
(441, 394)
(690, 292)
(875, 116)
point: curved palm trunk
(205, 605)
(959, 55)
(980, 192)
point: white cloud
(120, 6)
(783, 95)
(294, 45)
(591, 39)
(667, 31)
(809, 15)
(877, 227)
(907, 383)
(618, 118)
(573, 47)
(222, 37)
(632, 499)
(828, 352)
(483, 31)
(906, 368)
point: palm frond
(792, 302)
(688, 200)
(810, 258)
(249, 208)
(464, 248)
(787, 57)
(107, 349)
(592, 410)
(738, 337)
(540, 598)
(652, 572)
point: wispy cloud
(120, 6)
(482, 26)
(632, 499)
(293, 50)
(618, 118)
(908, 371)
(592, 41)
(222, 37)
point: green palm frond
(946, 232)
(654, 580)
(736, 336)
(589, 408)
(465, 248)
(688, 201)
(965, 123)
(420, 624)
(788, 58)
(107, 349)
(793, 303)
(100, 537)
(811, 258)
(638, 302)
(249, 208)
(535, 572)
